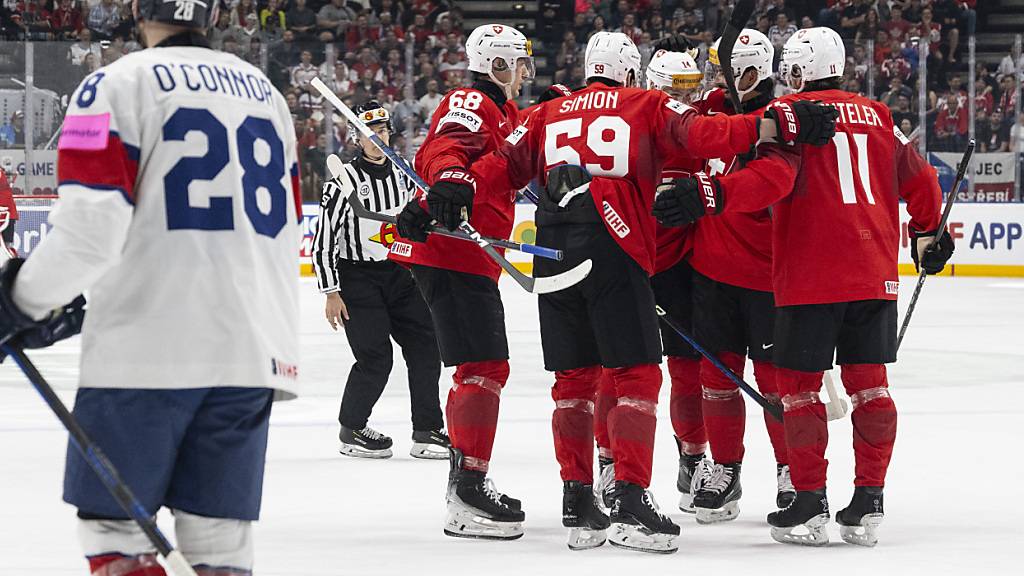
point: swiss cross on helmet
(188, 13)
(499, 50)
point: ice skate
(636, 523)
(365, 443)
(717, 498)
(804, 521)
(605, 486)
(580, 514)
(476, 509)
(859, 522)
(689, 467)
(785, 493)
(430, 445)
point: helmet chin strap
(505, 86)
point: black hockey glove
(414, 222)
(934, 259)
(451, 197)
(684, 200)
(804, 122)
(18, 329)
(554, 91)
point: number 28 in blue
(219, 215)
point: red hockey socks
(472, 409)
(604, 401)
(685, 405)
(806, 429)
(572, 422)
(632, 422)
(724, 413)
(874, 421)
(120, 565)
(766, 376)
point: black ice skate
(636, 523)
(605, 486)
(581, 515)
(858, 522)
(685, 481)
(786, 493)
(476, 509)
(365, 443)
(717, 498)
(430, 444)
(804, 521)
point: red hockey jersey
(675, 243)
(733, 248)
(623, 136)
(466, 125)
(836, 207)
(7, 197)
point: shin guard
(685, 407)
(724, 411)
(632, 422)
(572, 422)
(874, 421)
(806, 429)
(473, 409)
(604, 401)
(765, 374)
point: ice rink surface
(954, 497)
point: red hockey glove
(803, 122)
(684, 200)
(451, 197)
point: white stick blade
(334, 165)
(564, 280)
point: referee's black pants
(383, 303)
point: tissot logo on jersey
(892, 287)
(464, 117)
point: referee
(375, 299)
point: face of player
(795, 80)
(370, 149)
(514, 80)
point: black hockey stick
(533, 285)
(360, 210)
(961, 171)
(741, 13)
(772, 409)
(100, 464)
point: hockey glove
(803, 122)
(18, 329)
(451, 197)
(554, 91)
(676, 43)
(933, 259)
(684, 200)
(414, 222)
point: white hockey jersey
(179, 213)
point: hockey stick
(772, 409)
(100, 464)
(530, 284)
(836, 406)
(334, 167)
(961, 171)
(741, 13)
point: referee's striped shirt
(340, 235)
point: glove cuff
(457, 175)
(786, 123)
(710, 193)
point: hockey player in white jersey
(178, 212)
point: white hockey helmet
(496, 48)
(675, 73)
(812, 54)
(612, 55)
(752, 50)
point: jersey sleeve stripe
(296, 190)
(112, 168)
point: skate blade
(428, 451)
(864, 535)
(686, 503)
(585, 538)
(360, 452)
(811, 533)
(633, 537)
(464, 523)
(715, 515)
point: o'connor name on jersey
(214, 79)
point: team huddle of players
(771, 232)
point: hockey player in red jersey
(676, 74)
(457, 279)
(835, 241)
(600, 154)
(733, 304)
